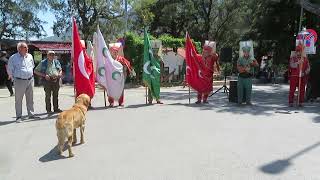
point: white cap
(51, 52)
(117, 44)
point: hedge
(133, 49)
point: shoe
(159, 102)
(249, 103)
(198, 102)
(121, 105)
(290, 104)
(49, 112)
(18, 120)
(12, 94)
(110, 105)
(150, 102)
(58, 111)
(33, 117)
(205, 102)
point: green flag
(151, 68)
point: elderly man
(245, 66)
(20, 68)
(50, 71)
(299, 69)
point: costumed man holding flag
(83, 66)
(200, 68)
(151, 68)
(245, 66)
(210, 59)
(109, 71)
(116, 50)
(299, 68)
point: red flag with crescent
(196, 72)
(83, 66)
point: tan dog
(71, 119)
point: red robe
(294, 70)
(126, 67)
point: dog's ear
(86, 101)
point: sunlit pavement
(173, 141)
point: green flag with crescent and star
(151, 68)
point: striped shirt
(21, 67)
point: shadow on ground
(52, 155)
(280, 166)
(267, 100)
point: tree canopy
(272, 24)
(18, 19)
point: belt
(24, 79)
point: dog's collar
(84, 115)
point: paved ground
(174, 141)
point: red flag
(83, 66)
(197, 75)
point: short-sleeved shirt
(21, 66)
(51, 69)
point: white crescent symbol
(145, 67)
(188, 68)
(199, 73)
(81, 65)
(155, 68)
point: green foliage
(133, 49)
(89, 13)
(226, 69)
(18, 19)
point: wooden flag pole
(300, 75)
(189, 94)
(104, 95)
(146, 95)
(73, 67)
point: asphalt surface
(173, 141)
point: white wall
(173, 61)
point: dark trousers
(9, 86)
(51, 88)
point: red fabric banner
(198, 75)
(84, 75)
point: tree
(273, 27)
(89, 13)
(206, 19)
(18, 19)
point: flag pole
(300, 68)
(300, 74)
(104, 95)
(72, 59)
(146, 95)
(189, 94)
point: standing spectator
(20, 68)
(4, 67)
(50, 70)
